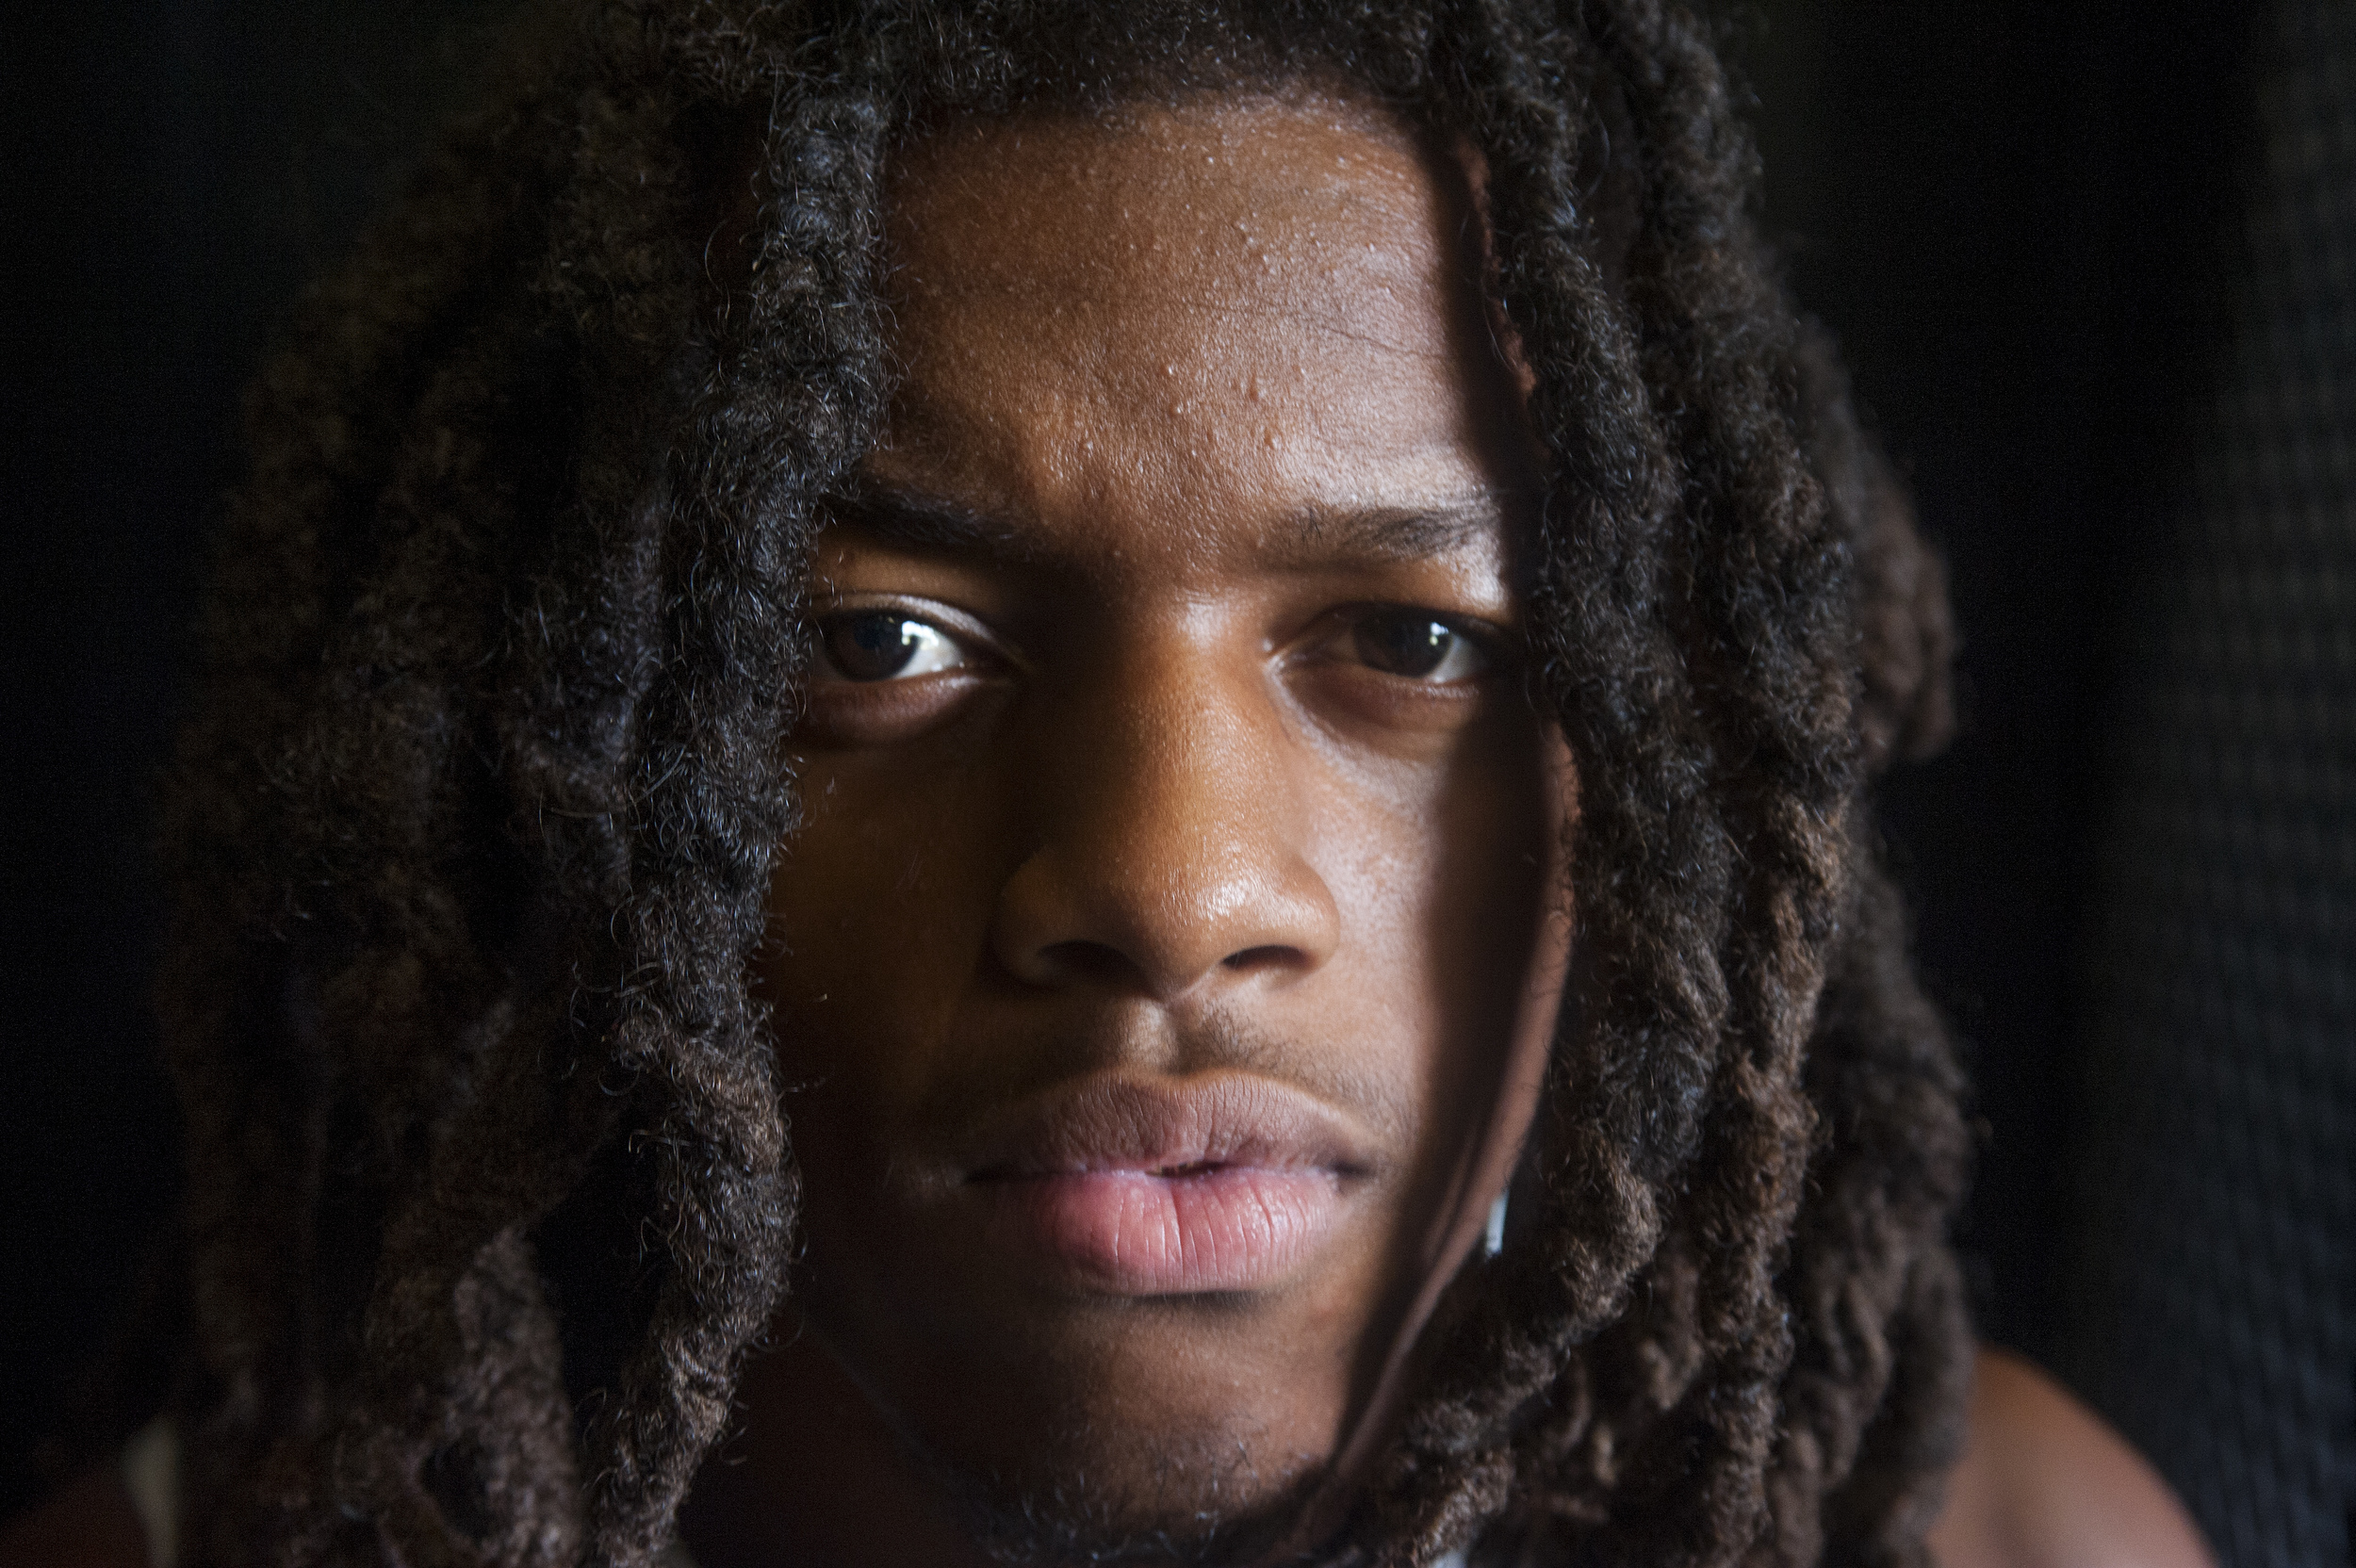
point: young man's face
(1173, 825)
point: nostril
(1101, 964)
(1089, 961)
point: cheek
(877, 915)
(1438, 876)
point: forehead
(1308, 190)
(1252, 304)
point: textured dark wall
(2008, 213)
(2013, 217)
(2213, 1290)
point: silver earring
(1495, 1240)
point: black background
(2009, 214)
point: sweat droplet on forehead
(1260, 299)
(1064, 212)
(1168, 636)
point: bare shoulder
(2046, 1484)
(90, 1524)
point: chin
(1142, 1417)
(1133, 1498)
(1174, 1431)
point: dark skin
(1166, 768)
(1173, 681)
(1207, 771)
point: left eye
(885, 644)
(1411, 644)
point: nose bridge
(1169, 832)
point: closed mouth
(1153, 1188)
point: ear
(1906, 636)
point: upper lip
(1163, 1126)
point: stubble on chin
(1201, 1506)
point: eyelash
(839, 644)
(1477, 646)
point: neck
(815, 1476)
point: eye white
(869, 648)
(1415, 646)
(1463, 661)
(936, 651)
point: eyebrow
(900, 518)
(1392, 533)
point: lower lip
(1134, 1233)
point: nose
(1169, 811)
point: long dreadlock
(473, 826)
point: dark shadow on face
(1173, 823)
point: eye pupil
(873, 646)
(1410, 646)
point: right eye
(870, 645)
